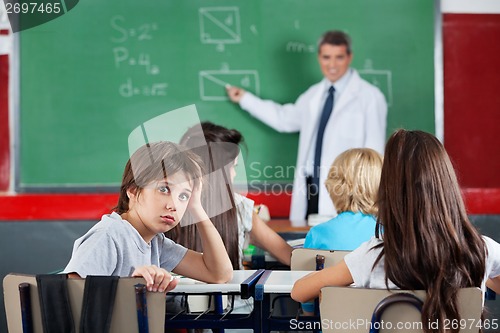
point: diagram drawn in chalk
(220, 25)
(213, 83)
(382, 79)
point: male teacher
(340, 112)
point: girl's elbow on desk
(300, 295)
(302, 290)
(221, 274)
(293, 293)
(223, 277)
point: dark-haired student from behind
(428, 242)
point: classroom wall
(5, 163)
(471, 31)
(470, 111)
(471, 45)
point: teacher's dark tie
(314, 188)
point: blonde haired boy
(352, 183)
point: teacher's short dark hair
(335, 37)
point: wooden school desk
(257, 258)
(285, 226)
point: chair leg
(26, 316)
(142, 308)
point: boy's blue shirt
(345, 232)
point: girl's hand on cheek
(195, 199)
(195, 207)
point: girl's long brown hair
(218, 147)
(428, 240)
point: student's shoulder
(369, 245)
(166, 244)
(491, 245)
(111, 225)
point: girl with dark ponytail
(232, 214)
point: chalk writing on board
(300, 47)
(127, 61)
(213, 83)
(253, 29)
(220, 26)
(142, 32)
(382, 79)
(128, 89)
(122, 57)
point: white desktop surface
(282, 281)
(187, 285)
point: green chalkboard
(90, 77)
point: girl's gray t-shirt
(114, 247)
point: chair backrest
(348, 309)
(124, 317)
(305, 259)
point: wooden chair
(347, 309)
(124, 315)
(305, 259)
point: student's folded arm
(266, 238)
(213, 265)
(193, 265)
(308, 288)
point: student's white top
(244, 208)
(361, 260)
